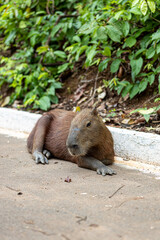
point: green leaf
(126, 90)
(87, 28)
(55, 29)
(63, 67)
(151, 79)
(76, 39)
(121, 86)
(125, 28)
(28, 2)
(134, 91)
(139, 31)
(143, 85)
(101, 33)
(60, 54)
(54, 99)
(113, 33)
(22, 24)
(115, 65)
(44, 103)
(158, 70)
(33, 40)
(158, 48)
(118, 14)
(80, 51)
(147, 117)
(150, 52)
(10, 38)
(139, 51)
(135, 2)
(42, 49)
(91, 52)
(136, 66)
(51, 91)
(135, 10)
(55, 84)
(39, 20)
(43, 75)
(156, 35)
(130, 42)
(103, 65)
(107, 52)
(30, 100)
(151, 5)
(143, 7)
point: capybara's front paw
(105, 171)
(40, 158)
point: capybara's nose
(71, 145)
(75, 146)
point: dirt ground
(36, 202)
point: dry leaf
(68, 180)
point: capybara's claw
(46, 153)
(106, 171)
(40, 158)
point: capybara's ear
(94, 111)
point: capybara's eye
(88, 124)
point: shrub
(48, 37)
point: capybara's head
(85, 132)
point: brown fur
(95, 141)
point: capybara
(81, 138)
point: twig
(16, 190)
(151, 98)
(123, 67)
(130, 199)
(52, 64)
(47, 8)
(65, 16)
(155, 19)
(43, 232)
(95, 85)
(52, 6)
(116, 191)
(90, 80)
(81, 219)
(65, 237)
(94, 91)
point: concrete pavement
(36, 202)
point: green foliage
(35, 32)
(49, 39)
(118, 33)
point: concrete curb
(138, 146)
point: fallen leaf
(6, 101)
(102, 95)
(99, 90)
(68, 180)
(128, 121)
